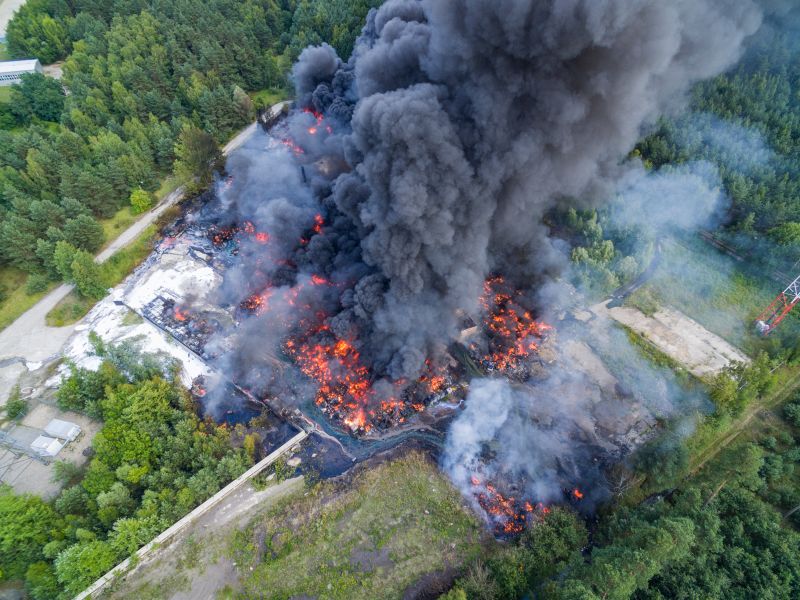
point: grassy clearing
(115, 225)
(70, 309)
(5, 93)
(395, 523)
(4, 55)
(74, 306)
(169, 184)
(124, 218)
(267, 97)
(13, 299)
(125, 260)
(716, 291)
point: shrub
(16, 406)
(141, 201)
(791, 412)
(37, 282)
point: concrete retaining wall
(99, 585)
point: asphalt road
(7, 10)
(29, 340)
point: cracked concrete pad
(686, 341)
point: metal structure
(779, 308)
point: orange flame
(257, 303)
(513, 330)
(577, 494)
(508, 514)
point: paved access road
(29, 339)
(7, 10)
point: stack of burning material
(508, 514)
(346, 391)
(507, 509)
(226, 241)
(224, 238)
(191, 329)
(511, 340)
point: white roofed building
(12, 70)
(63, 430)
(46, 446)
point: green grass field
(373, 539)
(4, 55)
(267, 97)
(168, 185)
(115, 225)
(13, 299)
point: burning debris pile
(345, 393)
(228, 238)
(191, 329)
(512, 334)
(508, 515)
(357, 243)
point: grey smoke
(456, 127)
(474, 118)
(562, 431)
(681, 198)
(732, 145)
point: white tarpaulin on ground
(46, 446)
(63, 430)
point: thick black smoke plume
(432, 156)
(471, 119)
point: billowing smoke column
(432, 155)
(471, 119)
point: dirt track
(196, 566)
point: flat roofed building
(46, 446)
(12, 70)
(63, 430)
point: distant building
(12, 70)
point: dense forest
(153, 461)
(747, 123)
(143, 78)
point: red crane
(780, 307)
